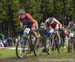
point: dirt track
(31, 58)
(69, 57)
(43, 58)
(27, 59)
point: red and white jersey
(53, 23)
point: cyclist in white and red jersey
(53, 23)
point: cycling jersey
(70, 29)
(27, 20)
(71, 26)
(52, 22)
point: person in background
(2, 39)
(9, 42)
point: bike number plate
(71, 34)
(51, 31)
(27, 30)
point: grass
(5, 54)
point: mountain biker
(29, 20)
(71, 27)
(53, 23)
(71, 35)
(26, 19)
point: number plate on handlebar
(71, 34)
(27, 30)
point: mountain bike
(55, 39)
(28, 43)
(42, 48)
(71, 43)
(25, 45)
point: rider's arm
(21, 24)
(57, 21)
(59, 24)
(32, 19)
(47, 20)
(69, 25)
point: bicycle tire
(21, 48)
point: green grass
(7, 54)
(4, 54)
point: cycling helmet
(22, 13)
(51, 21)
(42, 25)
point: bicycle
(27, 43)
(43, 43)
(55, 41)
(24, 44)
(51, 39)
(71, 42)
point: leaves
(39, 9)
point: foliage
(39, 9)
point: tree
(39, 9)
(3, 15)
(15, 9)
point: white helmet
(42, 25)
(51, 20)
(22, 13)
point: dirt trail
(27, 59)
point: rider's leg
(58, 35)
(37, 36)
(35, 33)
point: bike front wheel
(41, 48)
(22, 48)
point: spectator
(14, 41)
(5, 42)
(62, 36)
(9, 42)
(2, 39)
